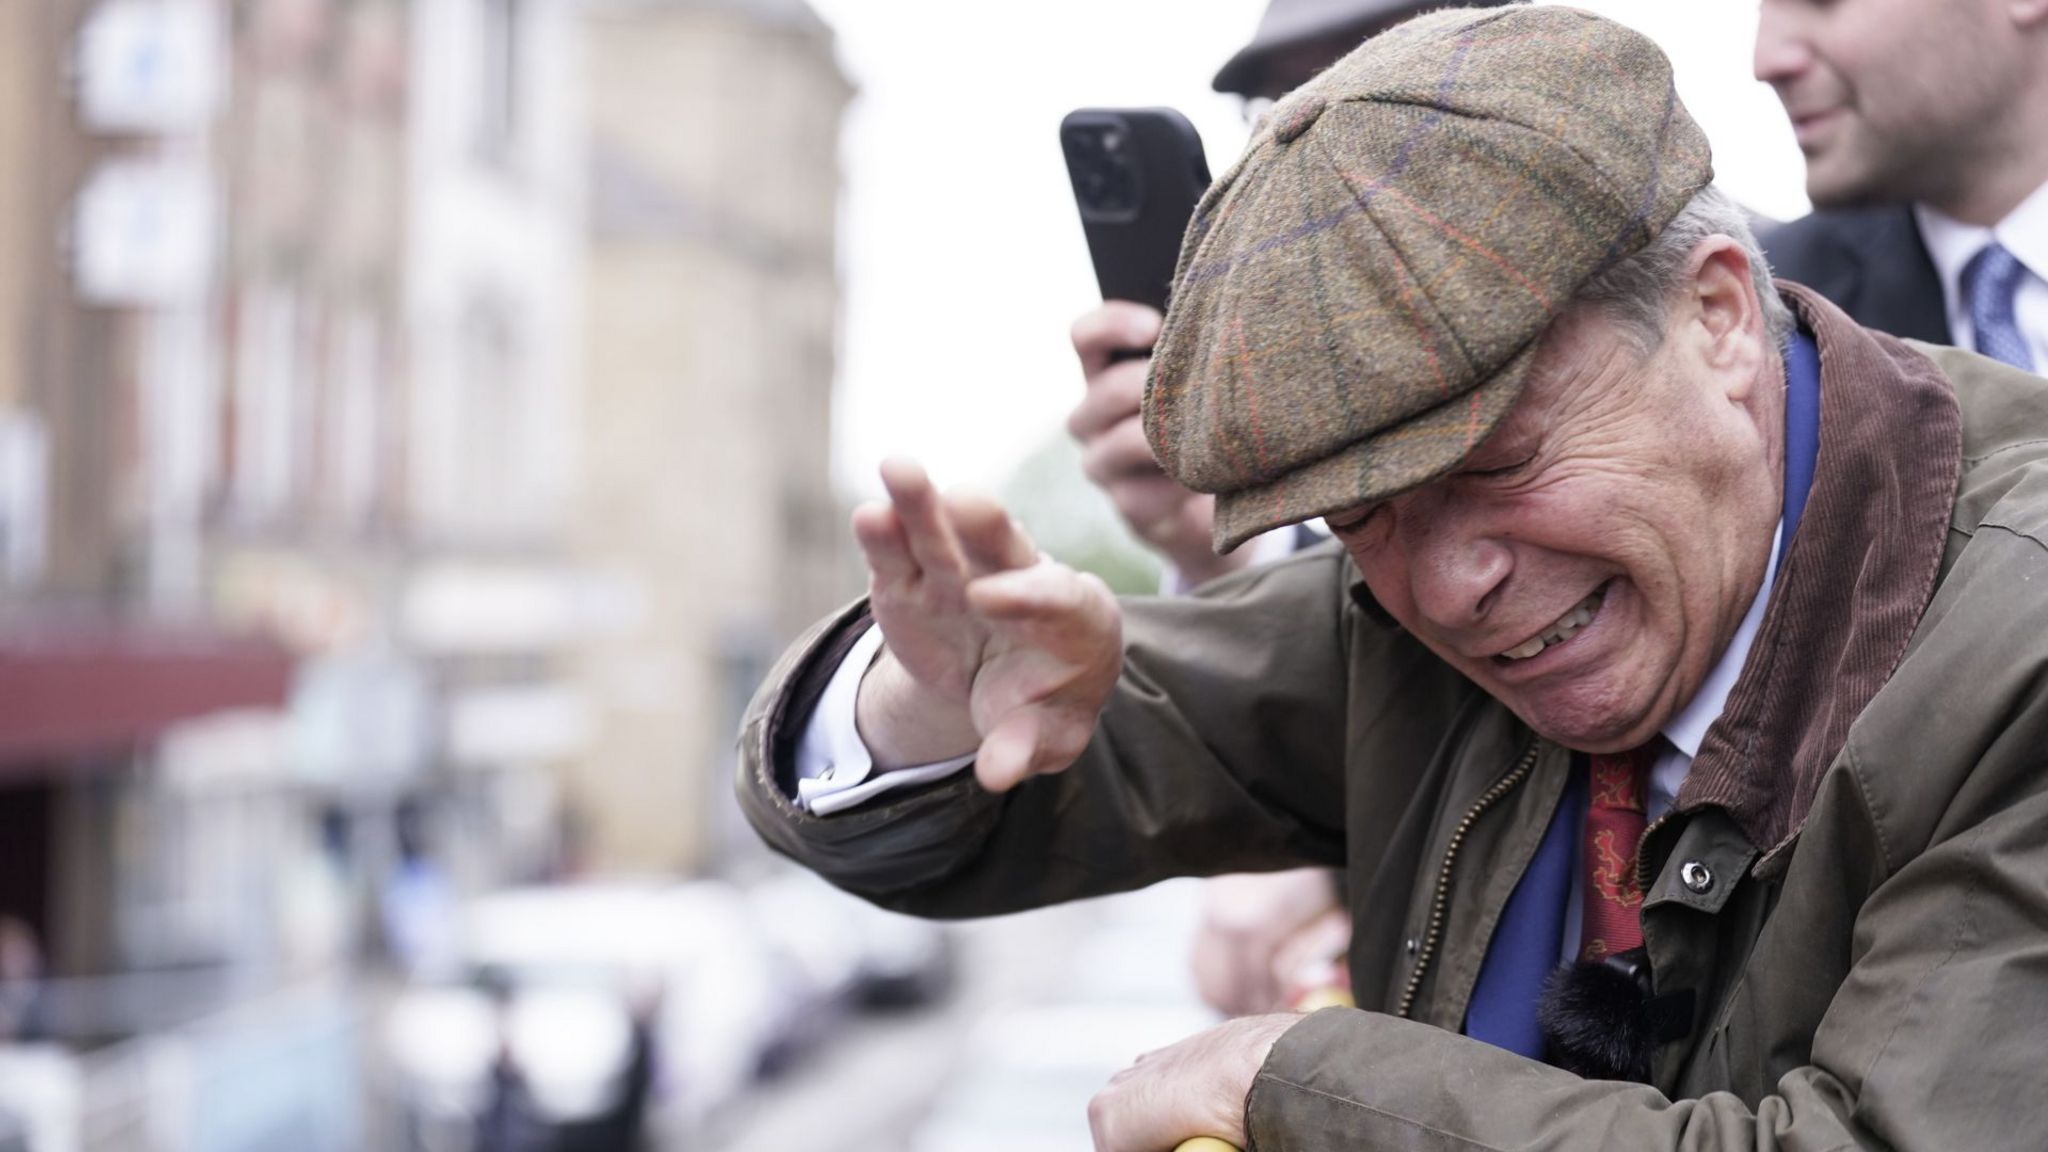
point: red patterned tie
(1614, 827)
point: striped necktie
(1991, 282)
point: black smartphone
(1138, 174)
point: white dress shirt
(1951, 244)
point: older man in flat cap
(1675, 696)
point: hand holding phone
(1137, 174)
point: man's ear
(1724, 307)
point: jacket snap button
(1698, 877)
(1413, 944)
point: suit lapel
(1890, 279)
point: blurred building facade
(415, 423)
(182, 905)
(494, 602)
(712, 345)
(288, 364)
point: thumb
(1011, 751)
(1041, 739)
(1025, 743)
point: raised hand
(989, 647)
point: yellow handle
(1205, 1144)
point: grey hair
(1637, 291)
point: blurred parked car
(894, 961)
(574, 998)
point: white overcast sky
(963, 257)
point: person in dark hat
(1673, 695)
(1268, 940)
(1298, 38)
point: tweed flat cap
(1360, 297)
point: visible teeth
(1562, 629)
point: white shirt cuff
(834, 770)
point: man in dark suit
(1871, 262)
(1921, 122)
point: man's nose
(1458, 567)
(1781, 51)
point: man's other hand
(1194, 1088)
(1114, 343)
(1249, 923)
(988, 646)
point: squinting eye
(1503, 470)
(1351, 527)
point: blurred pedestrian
(21, 977)
(1925, 129)
(418, 902)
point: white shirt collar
(1951, 243)
(1689, 727)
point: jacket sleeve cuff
(1345, 1078)
(911, 836)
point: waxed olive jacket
(1849, 898)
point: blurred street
(1049, 1005)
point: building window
(270, 403)
(354, 426)
(494, 407)
(24, 486)
(498, 64)
(473, 470)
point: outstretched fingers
(1044, 600)
(989, 540)
(971, 611)
(920, 518)
(1058, 638)
(879, 532)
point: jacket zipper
(1643, 877)
(1434, 932)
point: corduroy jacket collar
(1856, 577)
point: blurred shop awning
(78, 688)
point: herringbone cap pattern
(1360, 297)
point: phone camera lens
(1104, 175)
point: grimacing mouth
(1559, 630)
